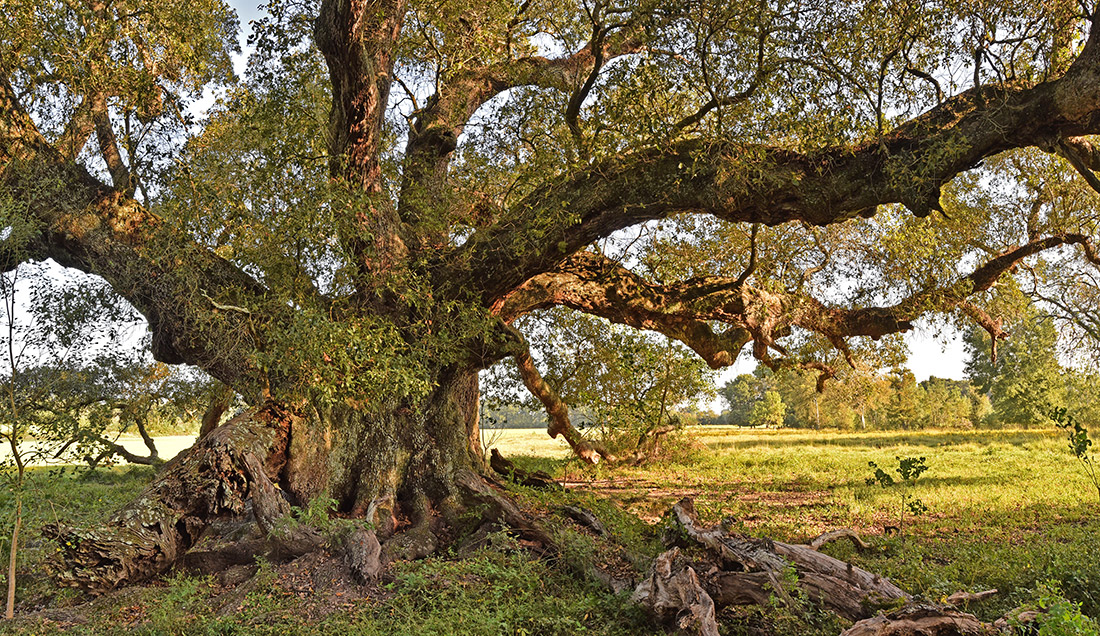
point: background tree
(1026, 379)
(769, 411)
(742, 394)
(907, 406)
(729, 175)
(798, 388)
(627, 387)
(948, 403)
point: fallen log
(750, 571)
(195, 489)
(921, 620)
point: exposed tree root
(500, 508)
(363, 555)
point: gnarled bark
(147, 536)
(743, 571)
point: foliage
(622, 384)
(1026, 376)
(768, 412)
(1078, 436)
(909, 469)
(1056, 615)
(742, 394)
(885, 400)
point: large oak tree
(354, 231)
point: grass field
(1010, 510)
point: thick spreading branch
(596, 285)
(753, 183)
(96, 229)
(437, 126)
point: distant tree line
(1019, 388)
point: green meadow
(1004, 509)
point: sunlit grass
(1009, 509)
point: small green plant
(1058, 616)
(318, 514)
(909, 469)
(1078, 437)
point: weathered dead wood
(751, 572)
(147, 536)
(677, 598)
(921, 620)
(362, 554)
(539, 480)
(969, 597)
(835, 535)
(742, 553)
(585, 518)
(1018, 617)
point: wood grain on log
(921, 620)
(751, 571)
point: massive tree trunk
(395, 466)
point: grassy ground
(1006, 509)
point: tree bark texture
(396, 469)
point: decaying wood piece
(1019, 616)
(539, 479)
(921, 620)
(835, 535)
(746, 571)
(585, 518)
(362, 554)
(746, 555)
(148, 535)
(969, 597)
(673, 594)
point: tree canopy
(355, 229)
